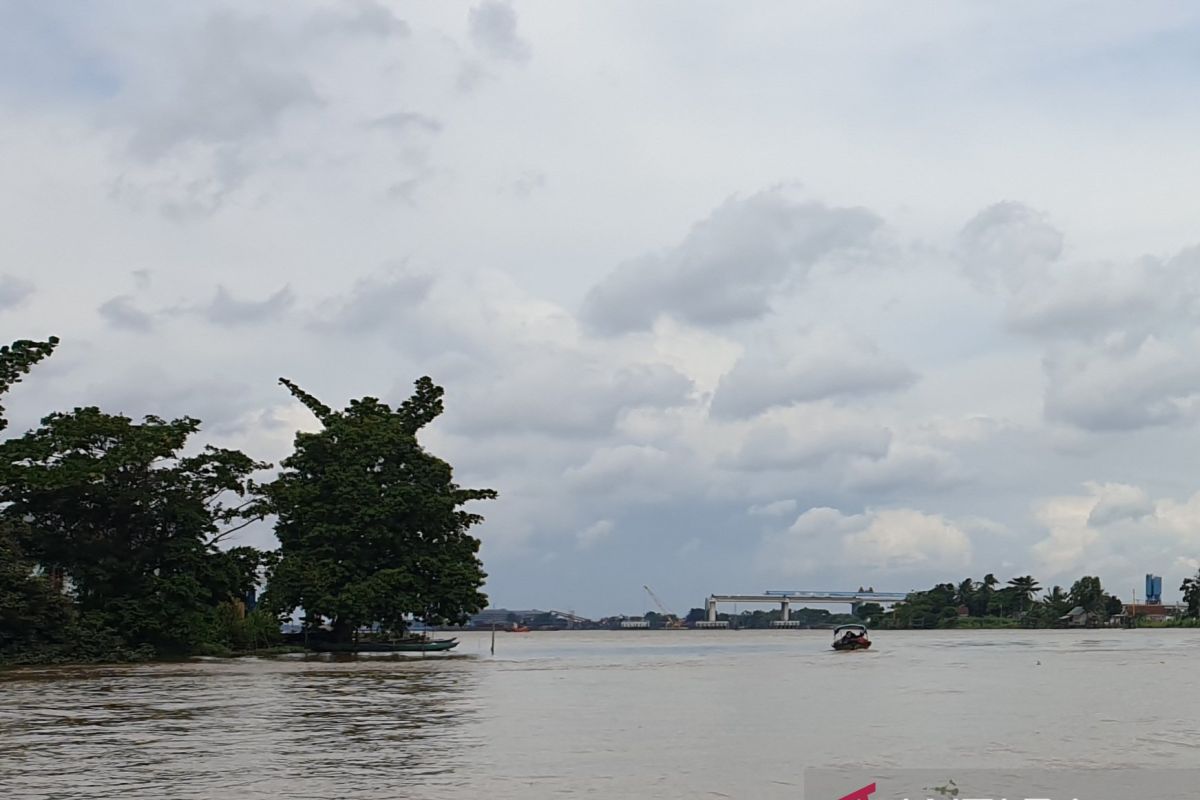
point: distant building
(1153, 589)
(1154, 612)
(502, 617)
(1078, 618)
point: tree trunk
(343, 631)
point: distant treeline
(1020, 601)
(110, 531)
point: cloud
(1119, 345)
(899, 539)
(565, 393)
(778, 508)
(905, 466)
(807, 438)
(376, 301)
(1122, 386)
(14, 292)
(492, 26)
(1116, 502)
(363, 17)
(1009, 243)
(405, 121)
(816, 366)
(120, 312)
(594, 534)
(225, 309)
(729, 266)
(226, 82)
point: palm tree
(964, 594)
(1025, 586)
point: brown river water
(631, 714)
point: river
(632, 714)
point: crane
(671, 621)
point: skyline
(723, 298)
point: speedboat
(850, 637)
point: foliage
(131, 521)
(16, 360)
(110, 530)
(371, 527)
(987, 604)
(34, 615)
(1191, 595)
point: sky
(725, 297)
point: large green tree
(35, 617)
(34, 614)
(132, 522)
(1191, 595)
(371, 527)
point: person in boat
(850, 636)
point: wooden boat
(411, 646)
(850, 637)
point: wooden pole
(493, 638)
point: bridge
(785, 598)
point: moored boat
(850, 637)
(412, 646)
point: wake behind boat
(850, 637)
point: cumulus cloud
(898, 539)
(593, 534)
(14, 291)
(1115, 526)
(777, 508)
(492, 26)
(1117, 501)
(121, 312)
(728, 266)
(817, 366)
(1119, 385)
(1120, 349)
(225, 309)
(375, 301)
(566, 393)
(807, 438)
(226, 82)
(1009, 243)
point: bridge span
(785, 599)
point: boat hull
(851, 645)
(433, 646)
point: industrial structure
(804, 597)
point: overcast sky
(725, 296)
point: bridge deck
(811, 597)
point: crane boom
(657, 602)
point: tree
(965, 593)
(371, 527)
(1191, 594)
(16, 360)
(869, 611)
(132, 522)
(1026, 588)
(34, 614)
(1090, 595)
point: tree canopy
(114, 532)
(114, 505)
(372, 528)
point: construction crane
(670, 620)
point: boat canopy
(841, 628)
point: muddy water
(670, 714)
